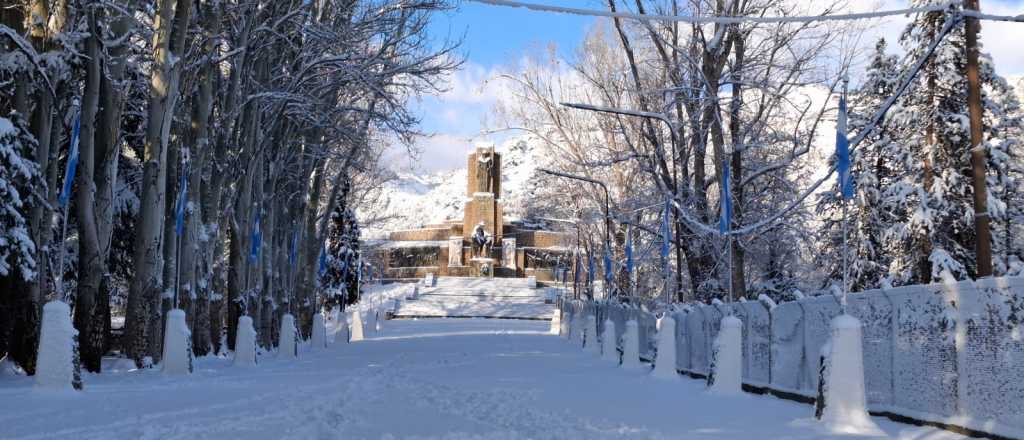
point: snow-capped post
(356, 334)
(287, 348)
(376, 321)
(556, 322)
(319, 336)
(576, 330)
(342, 327)
(563, 325)
(665, 363)
(57, 367)
(245, 343)
(177, 356)
(591, 345)
(725, 375)
(842, 388)
(631, 346)
(609, 349)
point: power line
(738, 20)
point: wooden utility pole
(983, 242)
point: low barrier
(950, 355)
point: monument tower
(482, 243)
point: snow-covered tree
(340, 281)
(932, 193)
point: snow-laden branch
(717, 19)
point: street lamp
(607, 200)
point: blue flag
(179, 206)
(293, 255)
(843, 152)
(69, 172)
(666, 231)
(322, 261)
(629, 250)
(725, 219)
(257, 237)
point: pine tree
(341, 281)
(20, 180)
(933, 194)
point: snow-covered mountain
(411, 200)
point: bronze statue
(485, 171)
(481, 241)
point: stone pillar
(455, 251)
(508, 253)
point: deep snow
(422, 379)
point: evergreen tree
(932, 196)
(341, 279)
(20, 180)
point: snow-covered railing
(950, 354)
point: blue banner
(843, 152)
(69, 172)
(179, 207)
(257, 237)
(629, 250)
(607, 268)
(725, 219)
(666, 231)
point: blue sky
(496, 37)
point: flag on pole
(725, 219)
(666, 231)
(843, 152)
(179, 205)
(69, 172)
(293, 254)
(257, 237)
(322, 269)
(629, 250)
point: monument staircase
(471, 297)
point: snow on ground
(426, 379)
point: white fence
(951, 354)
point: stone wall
(426, 234)
(543, 239)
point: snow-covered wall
(949, 353)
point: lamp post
(607, 200)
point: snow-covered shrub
(287, 347)
(665, 364)
(245, 343)
(609, 348)
(724, 376)
(56, 367)
(177, 355)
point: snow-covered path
(427, 379)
